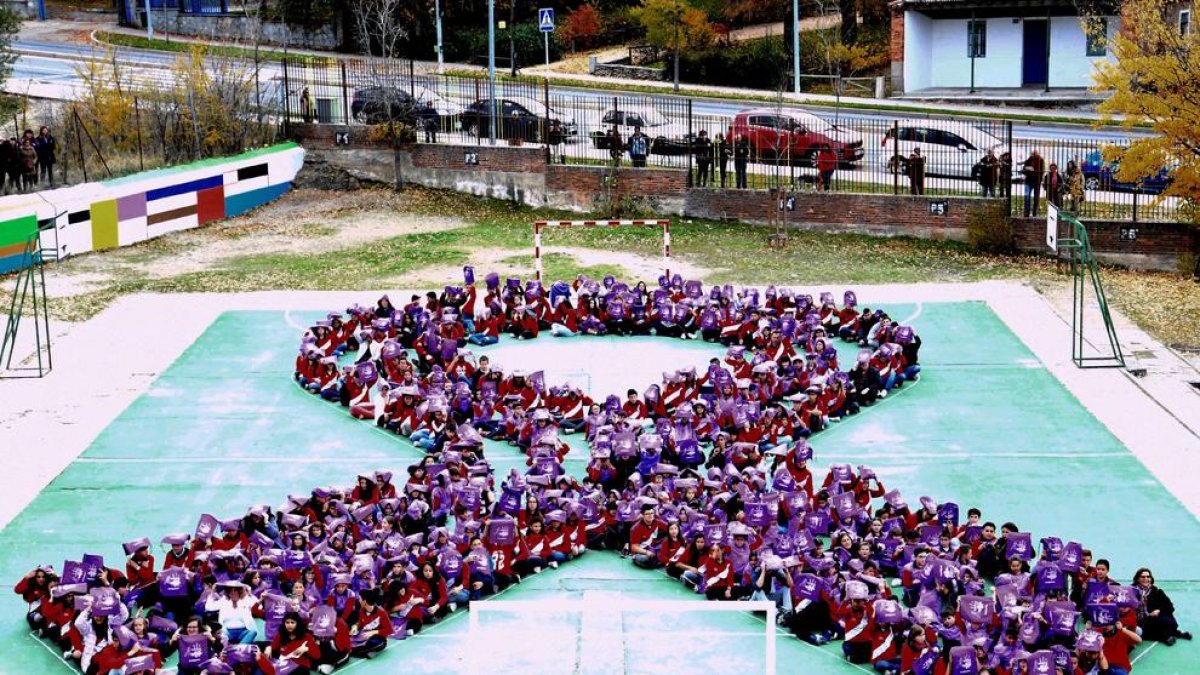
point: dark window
(611, 117)
(1185, 21)
(634, 119)
(1097, 37)
(976, 39)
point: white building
(980, 44)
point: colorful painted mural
(125, 211)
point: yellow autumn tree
(670, 21)
(1155, 80)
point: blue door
(1035, 62)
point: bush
(989, 229)
(758, 64)
(468, 45)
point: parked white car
(950, 149)
(666, 137)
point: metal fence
(758, 146)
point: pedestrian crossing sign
(546, 19)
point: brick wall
(885, 215)
(1154, 245)
(897, 35)
(518, 159)
(581, 187)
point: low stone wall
(244, 27)
(522, 174)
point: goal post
(543, 224)
(603, 632)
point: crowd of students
(706, 477)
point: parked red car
(795, 136)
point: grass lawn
(142, 42)
(1167, 305)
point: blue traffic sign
(546, 19)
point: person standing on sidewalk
(723, 150)
(741, 156)
(827, 162)
(703, 151)
(1032, 170)
(916, 172)
(46, 148)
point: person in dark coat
(989, 173)
(1156, 612)
(704, 154)
(47, 149)
(1032, 170)
(741, 156)
(724, 149)
(916, 172)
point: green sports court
(224, 427)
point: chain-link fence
(757, 145)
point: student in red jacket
(373, 627)
(857, 619)
(643, 538)
(431, 588)
(717, 574)
(294, 643)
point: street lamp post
(796, 46)
(492, 71)
(437, 12)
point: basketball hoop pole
(539, 225)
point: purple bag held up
(172, 582)
(757, 514)
(962, 661)
(510, 500)
(502, 531)
(194, 650)
(976, 608)
(323, 622)
(1019, 545)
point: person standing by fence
(46, 148)
(1032, 171)
(703, 151)
(307, 110)
(916, 172)
(639, 147)
(556, 140)
(615, 146)
(741, 156)
(10, 160)
(1074, 185)
(1053, 185)
(28, 162)
(723, 150)
(827, 162)
(989, 173)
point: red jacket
(279, 649)
(376, 620)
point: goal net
(543, 224)
(611, 634)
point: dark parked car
(1101, 175)
(379, 105)
(525, 119)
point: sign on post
(546, 25)
(1052, 227)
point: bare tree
(376, 23)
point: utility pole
(437, 12)
(678, 20)
(796, 46)
(512, 45)
(492, 71)
(149, 22)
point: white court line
(1147, 651)
(287, 316)
(907, 321)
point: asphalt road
(52, 64)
